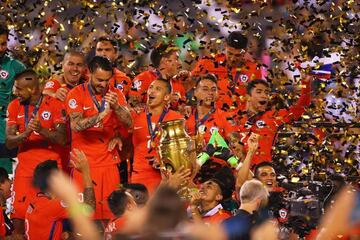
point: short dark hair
(208, 76)
(4, 30)
(117, 201)
(237, 40)
(42, 173)
(100, 62)
(260, 165)
(4, 176)
(163, 50)
(26, 73)
(167, 84)
(251, 85)
(139, 192)
(113, 42)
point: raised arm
(80, 162)
(296, 110)
(244, 172)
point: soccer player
(96, 112)
(36, 125)
(234, 70)
(108, 48)
(205, 205)
(165, 60)
(145, 128)
(261, 119)
(121, 203)
(9, 67)
(46, 213)
(73, 70)
(205, 117)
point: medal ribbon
(203, 120)
(34, 112)
(99, 107)
(152, 132)
(233, 81)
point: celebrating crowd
(80, 143)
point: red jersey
(43, 219)
(143, 152)
(120, 81)
(2, 225)
(142, 82)
(56, 82)
(231, 82)
(216, 120)
(113, 227)
(36, 148)
(52, 85)
(267, 123)
(94, 140)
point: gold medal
(202, 129)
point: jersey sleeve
(74, 102)
(11, 113)
(139, 85)
(201, 67)
(18, 66)
(52, 85)
(296, 110)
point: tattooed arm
(123, 115)
(58, 136)
(14, 138)
(78, 123)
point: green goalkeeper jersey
(9, 67)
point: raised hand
(113, 142)
(78, 160)
(61, 94)
(253, 142)
(112, 99)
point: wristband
(202, 158)
(80, 209)
(233, 161)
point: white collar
(213, 211)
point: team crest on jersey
(72, 103)
(244, 78)
(213, 129)
(49, 84)
(4, 74)
(45, 115)
(119, 86)
(137, 85)
(283, 213)
(260, 124)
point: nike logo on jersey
(20, 116)
(87, 108)
(136, 128)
